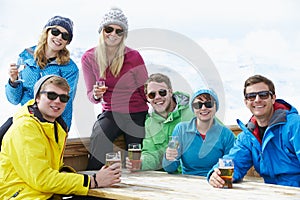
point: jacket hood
(24, 111)
(182, 100)
(30, 110)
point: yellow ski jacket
(31, 158)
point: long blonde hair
(62, 58)
(102, 61)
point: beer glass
(226, 167)
(112, 157)
(134, 155)
(173, 143)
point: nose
(57, 100)
(59, 36)
(257, 98)
(113, 32)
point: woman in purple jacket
(124, 103)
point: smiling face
(205, 114)
(56, 43)
(51, 109)
(112, 39)
(262, 109)
(160, 103)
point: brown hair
(205, 96)
(159, 78)
(62, 58)
(58, 82)
(258, 79)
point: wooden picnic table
(148, 185)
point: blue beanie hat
(205, 91)
(63, 22)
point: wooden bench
(235, 129)
(76, 152)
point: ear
(37, 99)
(273, 98)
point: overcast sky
(232, 32)
(232, 19)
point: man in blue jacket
(270, 140)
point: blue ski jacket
(23, 91)
(277, 156)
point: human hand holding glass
(134, 156)
(108, 175)
(101, 88)
(15, 71)
(226, 167)
(172, 150)
(20, 66)
(113, 157)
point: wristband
(96, 183)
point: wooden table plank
(160, 185)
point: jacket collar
(182, 101)
(279, 115)
(33, 109)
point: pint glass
(226, 167)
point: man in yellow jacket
(31, 159)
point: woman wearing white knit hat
(124, 102)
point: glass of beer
(226, 167)
(113, 157)
(134, 155)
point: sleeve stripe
(86, 180)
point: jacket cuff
(13, 84)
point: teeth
(159, 103)
(111, 38)
(57, 43)
(55, 108)
(258, 106)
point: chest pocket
(287, 146)
(159, 139)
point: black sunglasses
(109, 29)
(198, 104)
(64, 35)
(263, 95)
(162, 93)
(52, 96)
